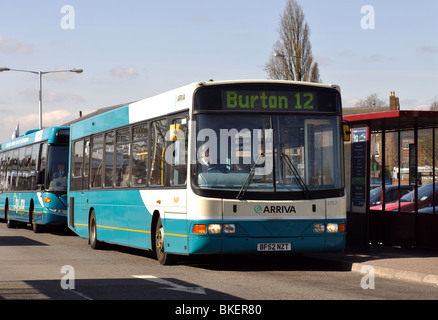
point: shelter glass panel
(392, 166)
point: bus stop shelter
(391, 166)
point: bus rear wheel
(160, 251)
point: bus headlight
(332, 227)
(229, 228)
(214, 228)
(319, 227)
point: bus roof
(175, 100)
(267, 81)
(33, 136)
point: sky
(130, 50)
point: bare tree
(372, 101)
(292, 54)
(434, 106)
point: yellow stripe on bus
(24, 211)
(176, 235)
(124, 229)
(115, 228)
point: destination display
(265, 100)
(268, 99)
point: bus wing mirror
(175, 132)
(40, 177)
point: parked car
(428, 210)
(425, 199)
(391, 195)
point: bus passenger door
(319, 150)
(175, 222)
(78, 203)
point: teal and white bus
(33, 178)
(213, 168)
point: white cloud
(56, 117)
(347, 53)
(429, 49)
(124, 72)
(200, 18)
(323, 60)
(423, 107)
(31, 121)
(12, 46)
(374, 58)
(350, 103)
(31, 95)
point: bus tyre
(160, 252)
(36, 228)
(92, 230)
(9, 223)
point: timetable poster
(358, 170)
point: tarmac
(405, 264)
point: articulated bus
(33, 178)
(213, 168)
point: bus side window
(96, 161)
(14, 173)
(109, 160)
(21, 177)
(86, 173)
(122, 157)
(42, 166)
(157, 149)
(179, 142)
(77, 165)
(33, 166)
(140, 155)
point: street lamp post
(40, 76)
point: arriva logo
(258, 209)
(274, 209)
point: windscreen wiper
(249, 178)
(296, 174)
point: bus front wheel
(36, 228)
(92, 230)
(160, 251)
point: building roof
(395, 120)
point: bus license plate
(274, 247)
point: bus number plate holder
(274, 247)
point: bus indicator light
(343, 227)
(200, 229)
